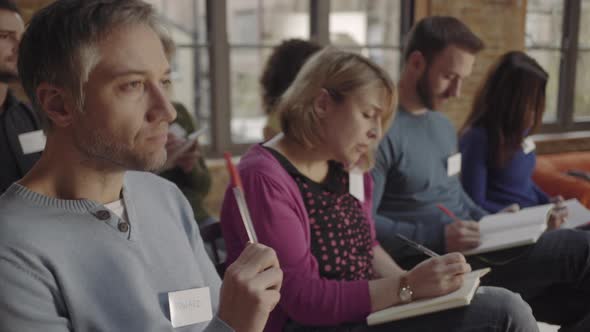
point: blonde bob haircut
(342, 74)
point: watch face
(405, 294)
(405, 291)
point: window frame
(565, 121)
(218, 47)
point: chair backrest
(211, 234)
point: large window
(186, 22)
(254, 28)
(557, 35)
(582, 97)
(224, 44)
(371, 28)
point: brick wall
(499, 23)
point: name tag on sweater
(33, 141)
(528, 145)
(454, 164)
(356, 184)
(190, 306)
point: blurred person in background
(188, 169)
(21, 137)
(498, 154)
(280, 70)
(297, 186)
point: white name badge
(528, 145)
(190, 306)
(454, 164)
(33, 141)
(356, 184)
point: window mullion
(319, 21)
(567, 82)
(220, 76)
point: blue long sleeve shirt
(494, 187)
(410, 177)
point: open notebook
(459, 298)
(506, 230)
(578, 214)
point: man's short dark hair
(433, 34)
(282, 67)
(9, 5)
(59, 46)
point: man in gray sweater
(89, 242)
(417, 168)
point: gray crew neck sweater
(410, 180)
(73, 265)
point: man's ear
(322, 103)
(56, 103)
(417, 62)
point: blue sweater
(411, 178)
(65, 265)
(494, 187)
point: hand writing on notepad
(460, 235)
(438, 275)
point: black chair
(211, 233)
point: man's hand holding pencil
(251, 288)
(460, 235)
(251, 285)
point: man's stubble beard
(423, 90)
(105, 151)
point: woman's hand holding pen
(558, 214)
(438, 275)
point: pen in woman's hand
(417, 246)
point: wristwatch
(405, 291)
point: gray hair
(59, 46)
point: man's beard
(423, 90)
(8, 76)
(106, 151)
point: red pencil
(447, 212)
(238, 190)
(236, 180)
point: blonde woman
(297, 189)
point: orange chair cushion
(550, 175)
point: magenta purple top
(282, 222)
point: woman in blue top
(498, 155)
